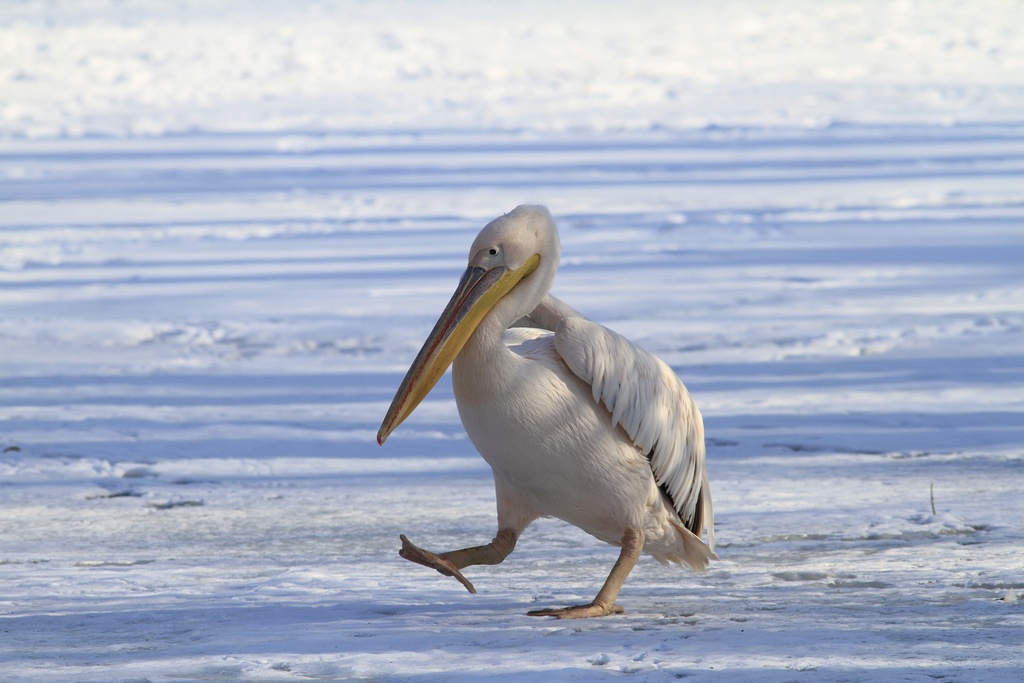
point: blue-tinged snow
(226, 228)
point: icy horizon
(151, 69)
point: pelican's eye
(488, 257)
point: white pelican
(575, 421)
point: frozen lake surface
(218, 257)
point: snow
(225, 229)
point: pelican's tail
(695, 553)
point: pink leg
(604, 603)
(452, 562)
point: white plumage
(575, 421)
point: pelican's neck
(485, 366)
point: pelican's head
(511, 267)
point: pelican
(575, 421)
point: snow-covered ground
(225, 229)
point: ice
(226, 228)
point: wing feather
(654, 408)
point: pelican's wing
(651, 404)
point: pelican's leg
(451, 562)
(604, 603)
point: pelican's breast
(537, 426)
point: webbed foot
(418, 555)
(577, 611)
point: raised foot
(577, 611)
(428, 559)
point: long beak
(478, 291)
